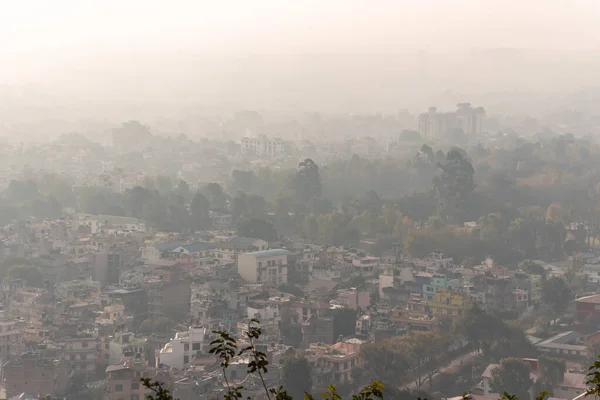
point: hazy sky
(130, 44)
(40, 28)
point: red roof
(593, 299)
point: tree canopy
(512, 376)
(296, 376)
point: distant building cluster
(108, 299)
(263, 146)
(436, 125)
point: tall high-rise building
(435, 125)
(469, 119)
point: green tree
(10, 262)
(319, 205)
(482, 329)
(593, 352)
(183, 189)
(255, 206)
(455, 186)
(418, 206)
(387, 361)
(512, 343)
(178, 216)
(245, 181)
(429, 354)
(532, 268)
(557, 295)
(199, 212)
(214, 193)
(512, 376)
(310, 228)
(296, 376)
(239, 206)
(344, 322)
(30, 274)
(257, 228)
(426, 152)
(58, 187)
(307, 182)
(76, 386)
(551, 371)
(331, 228)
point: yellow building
(449, 303)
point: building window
(118, 388)
(135, 385)
(84, 344)
(195, 346)
(186, 347)
(186, 359)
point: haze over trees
(526, 203)
(407, 194)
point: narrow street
(454, 363)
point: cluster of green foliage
(20, 268)
(525, 198)
(394, 361)
(492, 336)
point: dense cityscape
(435, 269)
(267, 200)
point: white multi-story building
(229, 250)
(263, 146)
(180, 351)
(435, 125)
(266, 266)
(125, 346)
(365, 265)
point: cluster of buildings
(437, 125)
(263, 146)
(112, 301)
